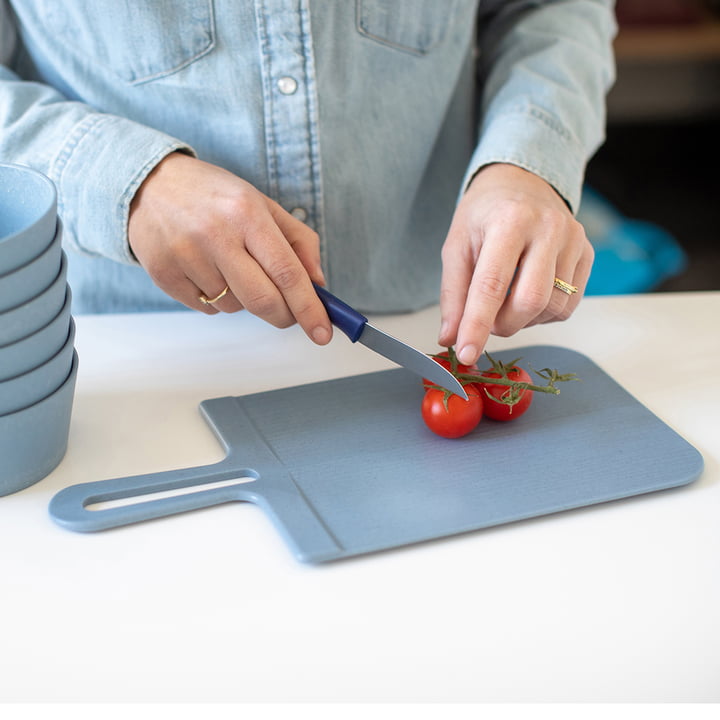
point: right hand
(196, 228)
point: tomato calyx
(449, 359)
(447, 394)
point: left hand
(511, 231)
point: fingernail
(468, 355)
(321, 335)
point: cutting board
(346, 466)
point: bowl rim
(42, 179)
(72, 374)
(52, 364)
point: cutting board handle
(70, 507)
(278, 496)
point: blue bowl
(34, 350)
(24, 320)
(19, 286)
(29, 388)
(34, 440)
(28, 214)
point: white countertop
(619, 602)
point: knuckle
(164, 275)
(565, 313)
(285, 276)
(263, 305)
(588, 252)
(491, 285)
(283, 322)
(239, 205)
(448, 250)
(504, 328)
(311, 237)
(513, 216)
(556, 306)
(531, 302)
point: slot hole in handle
(162, 494)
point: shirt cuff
(97, 173)
(535, 141)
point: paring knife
(356, 327)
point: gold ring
(209, 301)
(567, 288)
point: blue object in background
(631, 256)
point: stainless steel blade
(410, 358)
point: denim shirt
(364, 118)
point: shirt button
(299, 213)
(287, 85)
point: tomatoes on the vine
(506, 402)
(502, 392)
(449, 415)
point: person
(223, 156)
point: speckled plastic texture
(347, 467)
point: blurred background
(652, 200)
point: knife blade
(356, 326)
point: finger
(170, 278)
(304, 241)
(188, 293)
(457, 271)
(529, 295)
(488, 291)
(271, 282)
(563, 304)
(214, 290)
(580, 278)
(225, 300)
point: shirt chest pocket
(414, 26)
(136, 40)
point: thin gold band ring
(209, 301)
(567, 288)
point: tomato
(456, 418)
(497, 410)
(443, 359)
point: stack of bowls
(38, 362)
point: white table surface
(619, 602)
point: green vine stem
(502, 369)
(467, 378)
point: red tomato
(443, 359)
(497, 410)
(457, 419)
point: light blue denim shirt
(366, 118)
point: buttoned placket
(291, 108)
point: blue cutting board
(346, 466)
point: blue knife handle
(345, 318)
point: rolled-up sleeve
(548, 68)
(96, 160)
